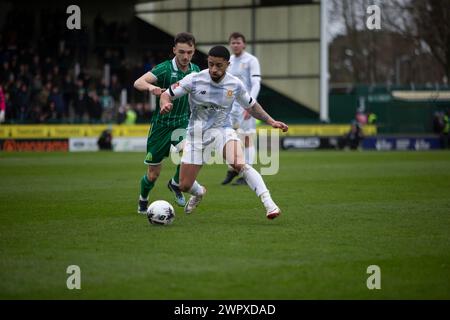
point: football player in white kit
(246, 67)
(212, 93)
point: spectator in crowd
(438, 122)
(360, 116)
(94, 107)
(121, 114)
(115, 88)
(445, 137)
(81, 102)
(50, 114)
(107, 103)
(372, 118)
(8, 107)
(24, 74)
(441, 127)
(6, 74)
(23, 102)
(149, 61)
(57, 100)
(69, 92)
(57, 77)
(36, 114)
(2, 105)
(130, 115)
(43, 96)
(140, 113)
(104, 142)
(353, 138)
(36, 85)
(36, 65)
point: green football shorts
(159, 140)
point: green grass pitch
(342, 212)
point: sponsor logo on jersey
(203, 92)
(212, 107)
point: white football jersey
(245, 67)
(211, 102)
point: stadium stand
(66, 83)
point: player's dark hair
(219, 51)
(184, 37)
(236, 35)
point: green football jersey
(168, 73)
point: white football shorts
(199, 150)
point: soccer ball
(160, 212)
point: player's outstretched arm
(175, 91)
(145, 83)
(258, 112)
(165, 103)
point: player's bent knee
(152, 175)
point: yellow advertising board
(28, 131)
(73, 131)
(135, 131)
(322, 130)
(94, 131)
(66, 131)
(4, 132)
(130, 130)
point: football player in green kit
(159, 139)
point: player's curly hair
(184, 37)
(219, 51)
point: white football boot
(194, 202)
(272, 210)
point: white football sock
(254, 180)
(249, 154)
(256, 183)
(196, 189)
(268, 202)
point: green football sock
(146, 186)
(176, 177)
